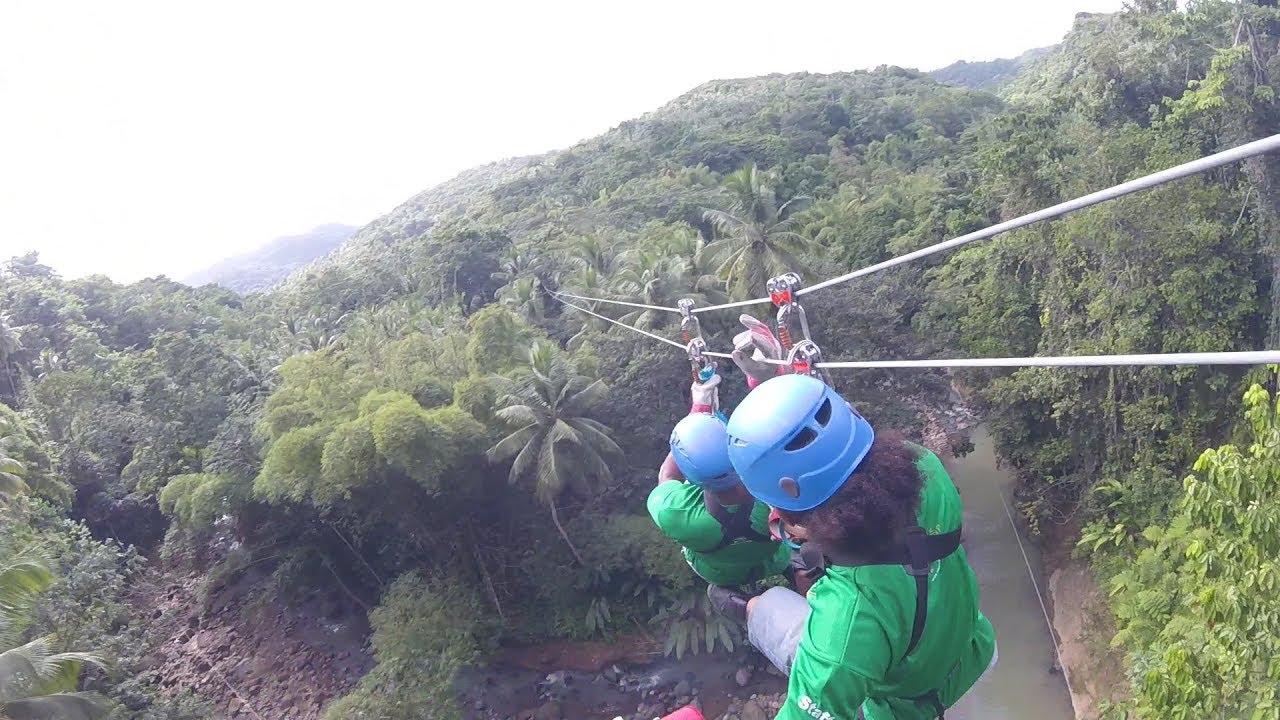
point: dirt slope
(252, 659)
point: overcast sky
(140, 138)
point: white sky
(140, 138)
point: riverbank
(727, 686)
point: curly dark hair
(879, 498)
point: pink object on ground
(688, 712)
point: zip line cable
(659, 338)
(1177, 172)
(1248, 357)
(1258, 357)
(617, 302)
(1209, 162)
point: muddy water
(1022, 684)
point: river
(1021, 685)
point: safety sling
(915, 552)
(734, 525)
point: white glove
(705, 394)
(753, 346)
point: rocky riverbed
(738, 686)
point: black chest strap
(735, 525)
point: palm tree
(705, 284)
(10, 344)
(755, 240)
(556, 443)
(11, 471)
(653, 279)
(588, 282)
(36, 682)
(525, 296)
(592, 252)
(517, 264)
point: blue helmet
(700, 447)
(794, 441)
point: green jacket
(851, 655)
(677, 509)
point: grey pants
(776, 624)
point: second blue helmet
(700, 446)
(794, 442)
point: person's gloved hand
(705, 395)
(754, 345)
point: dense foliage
(1200, 602)
(415, 424)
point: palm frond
(21, 578)
(561, 431)
(596, 437)
(585, 399)
(592, 465)
(793, 205)
(550, 482)
(62, 706)
(525, 461)
(519, 415)
(511, 444)
(722, 221)
(33, 669)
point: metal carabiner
(804, 359)
(783, 291)
(690, 328)
(697, 349)
(704, 368)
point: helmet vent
(824, 413)
(802, 439)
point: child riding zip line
(892, 628)
(723, 530)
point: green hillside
(988, 74)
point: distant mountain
(265, 267)
(990, 74)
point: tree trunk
(1264, 174)
(484, 572)
(1260, 120)
(13, 388)
(555, 517)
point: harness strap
(734, 525)
(916, 552)
(934, 700)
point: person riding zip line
(892, 628)
(723, 531)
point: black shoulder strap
(916, 552)
(922, 551)
(733, 525)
